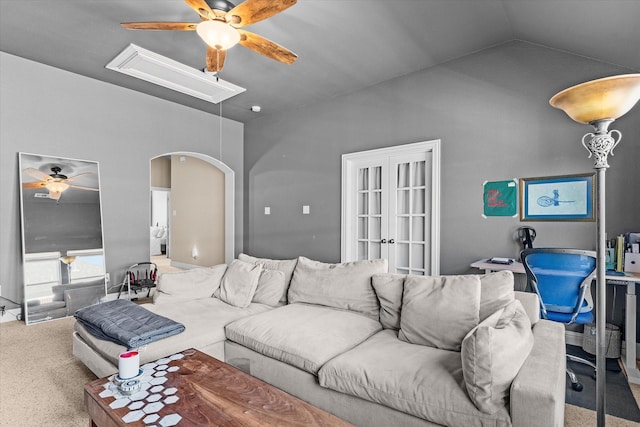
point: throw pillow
(271, 285)
(438, 311)
(285, 265)
(189, 284)
(389, 289)
(239, 283)
(346, 286)
(493, 353)
(496, 292)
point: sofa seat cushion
(303, 335)
(423, 381)
(204, 320)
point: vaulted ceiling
(343, 45)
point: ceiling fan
(56, 182)
(220, 28)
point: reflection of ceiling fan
(220, 28)
(56, 183)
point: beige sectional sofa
(373, 348)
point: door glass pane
(363, 179)
(402, 270)
(376, 179)
(417, 228)
(376, 226)
(403, 228)
(376, 250)
(402, 252)
(362, 250)
(403, 202)
(363, 203)
(363, 231)
(403, 175)
(418, 174)
(417, 256)
(418, 201)
(376, 203)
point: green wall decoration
(500, 198)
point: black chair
(142, 275)
(562, 279)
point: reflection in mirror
(62, 249)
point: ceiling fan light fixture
(218, 34)
(56, 186)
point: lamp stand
(599, 145)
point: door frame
(349, 160)
(229, 198)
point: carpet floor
(42, 383)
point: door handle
(383, 241)
(391, 241)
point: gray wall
(491, 111)
(45, 110)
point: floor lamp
(599, 103)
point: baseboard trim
(184, 265)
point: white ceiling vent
(146, 65)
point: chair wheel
(577, 386)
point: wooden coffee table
(193, 389)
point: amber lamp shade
(606, 98)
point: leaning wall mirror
(62, 245)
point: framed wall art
(500, 198)
(558, 198)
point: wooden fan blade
(71, 178)
(30, 185)
(252, 11)
(266, 47)
(80, 187)
(37, 174)
(174, 26)
(201, 7)
(215, 59)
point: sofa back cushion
(239, 283)
(496, 292)
(346, 286)
(438, 311)
(388, 288)
(493, 353)
(271, 286)
(189, 284)
(285, 265)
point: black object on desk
(498, 260)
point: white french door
(390, 207)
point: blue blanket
(126, 323)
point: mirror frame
(61, 291)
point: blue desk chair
(562, 280)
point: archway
(228, 189)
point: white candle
(128, 364)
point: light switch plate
(267, 210)
(306, 210)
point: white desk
(629, 280)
